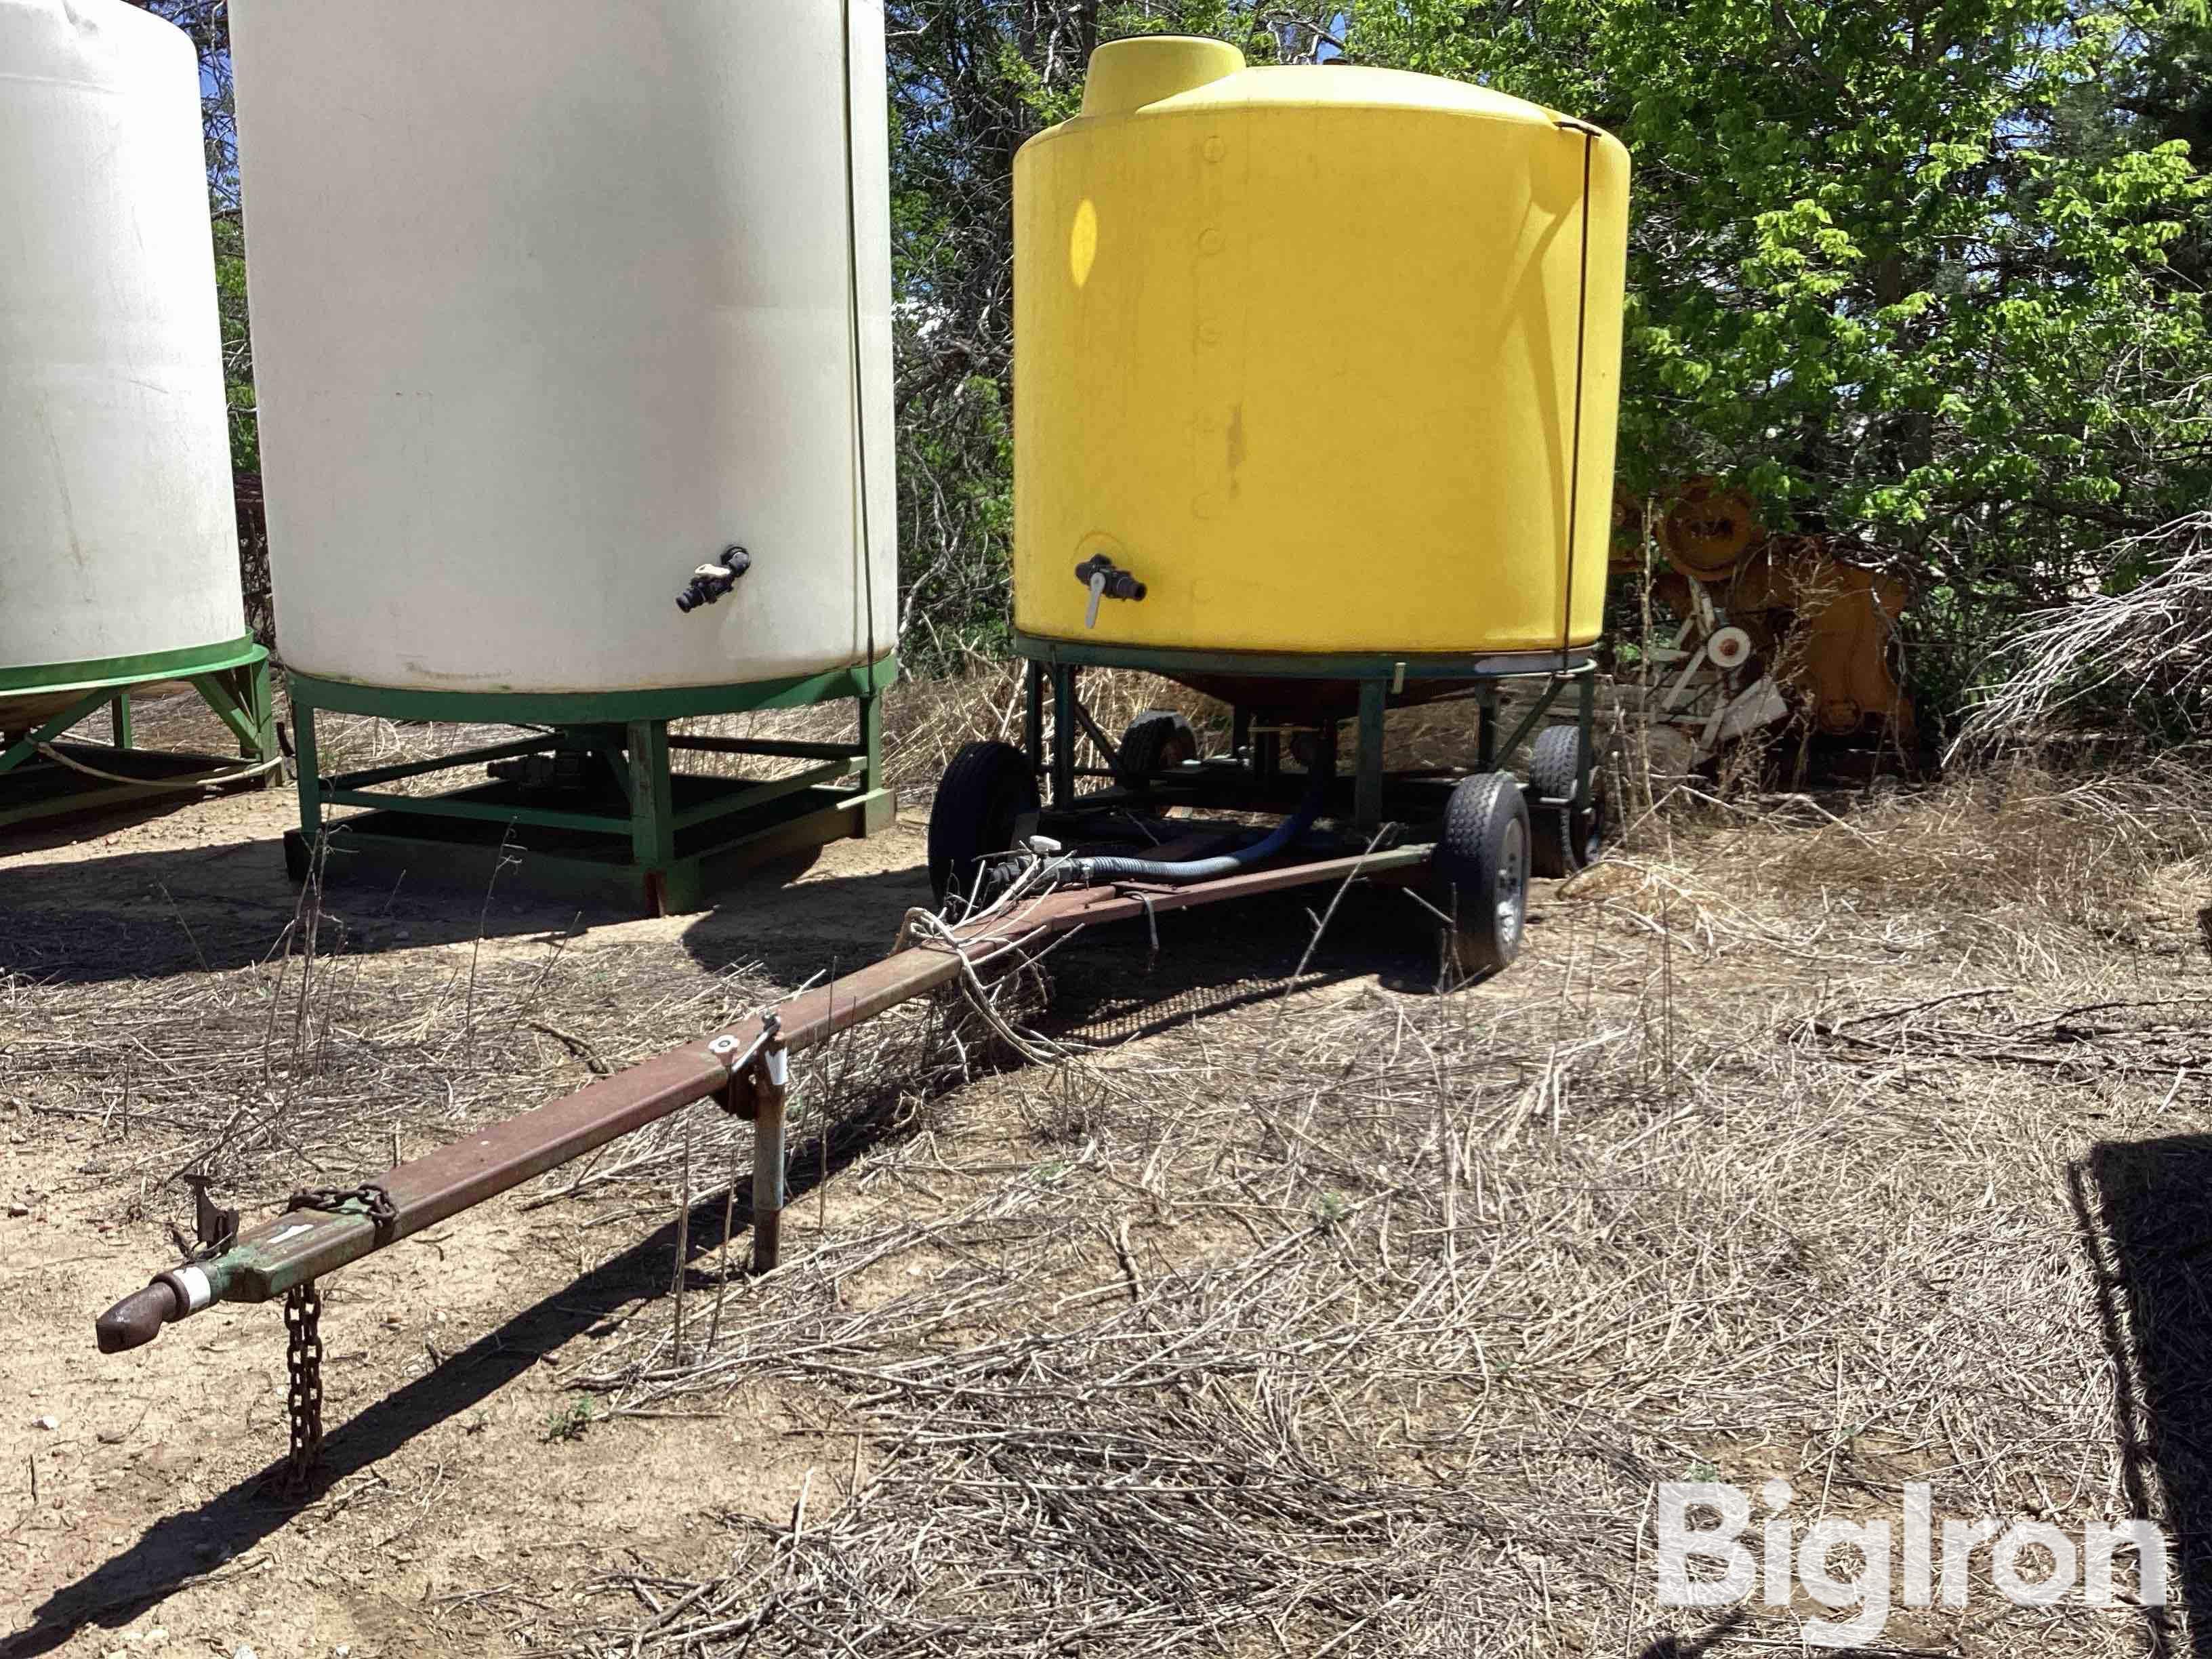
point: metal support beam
(1063, 734)
(304, 764)
(760, 794)
(770, 1093)
(119, 720)
(1585, 752)
(1529, 720)
(415, 769)
(445, 806)
(1367, 801)
(871, 717)
(1033, 715)
(28, 746)
(652, 804)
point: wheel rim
(1512, 884)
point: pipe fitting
(710, 581)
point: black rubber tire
(980, 800)
(1479, 871)
(1156, 739)
(1562, 841)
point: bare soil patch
(1854, 1142)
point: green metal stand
(42, 774)
(592, 806)
(1312, 694)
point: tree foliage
(1904, 270)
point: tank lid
(1127, 75)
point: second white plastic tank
(553, 301)
(119, 549)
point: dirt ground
(1304, 1309)
(147, 1467)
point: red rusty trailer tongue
(744, 1065)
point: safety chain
(376, 1203)
(303, 1314)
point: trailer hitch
(745, 1067)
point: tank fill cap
(1127, 75)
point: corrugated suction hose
(1092, 872)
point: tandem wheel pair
(1155, 792)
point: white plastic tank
(118, 539)
(552, 301)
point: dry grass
(2132, 649)
(1348, 1320)
(1368, 1323)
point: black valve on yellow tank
(1106, 581)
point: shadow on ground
(152, 913)
(172, 1554)
(1108, 986)
(2145, 1211)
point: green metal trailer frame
(656, 839)
(232, 678)
(1326, 691)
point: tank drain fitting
(1106, 581)
(710, 581)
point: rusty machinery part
(1836, 633)
(369, 1198)
(303, 1358)
(270, 1258)
(1709, 530)
(771, 1081)
(213, 1227)
(1632, 521)
(1729, 648)
(1825, 627)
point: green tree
(1875, 274)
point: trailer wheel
(1479, 871)
(1563, 840)
(982, 798)
(1156, 739)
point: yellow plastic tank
(1327, 357)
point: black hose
(1092, 872)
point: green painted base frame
(592, 807)
(42, 774)
(1268, 692)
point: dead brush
(324, 1061)
(1371, 1328)
(2130, 653)
(2008, 860)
